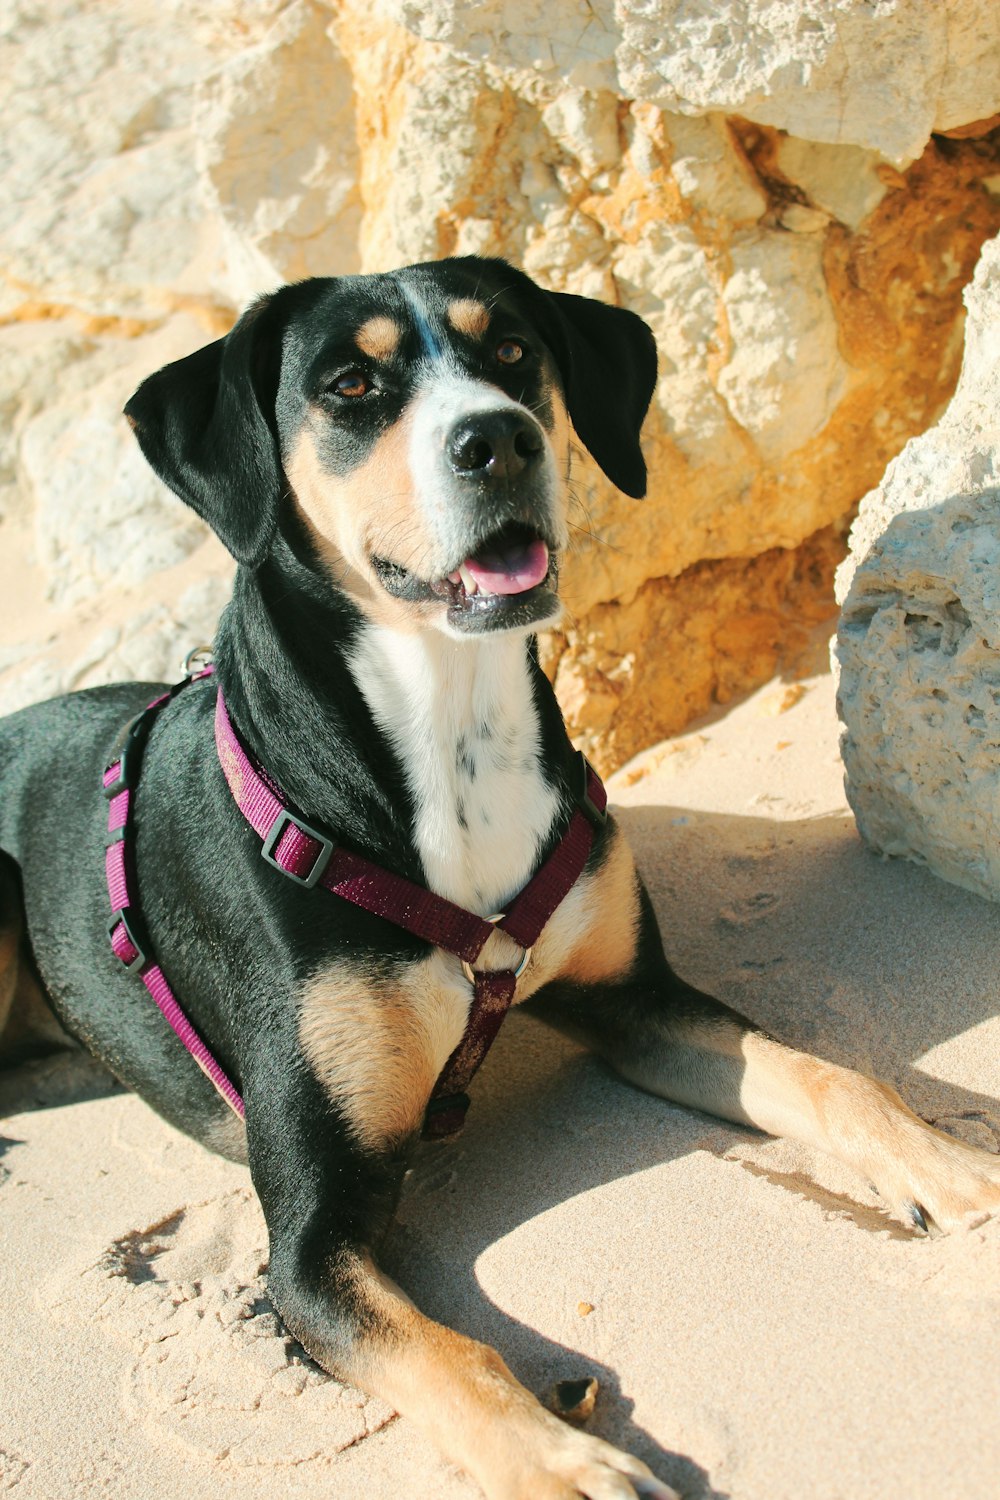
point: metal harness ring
(470, 972)
(197, 659)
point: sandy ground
(761, 1329)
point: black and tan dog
(386, 457)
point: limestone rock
(768, 422)
(278, 158)
(102, 519)
(842, 182)
(919, 638)
(125, 637)
(90, 535)
(32, 361)
(631, 673)
(881, 76)
(99, 200)
(147, 650)
(785, 375)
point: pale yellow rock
(918, 645)
(99, 203)
(844, 182)
(785, 375)
(704, 636)
(278, 158)
(711, 174)
(881, 76)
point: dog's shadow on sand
(56, 1076)
(869, 963)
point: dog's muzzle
(498, 490)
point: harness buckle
(129, 757)
(130, 965)
(598, 816)
(274, 833)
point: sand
(760, 1328)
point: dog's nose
(494, 445)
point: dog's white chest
(461, 716)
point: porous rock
(882, 75)
(919, 639)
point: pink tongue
(512, 571)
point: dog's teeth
(471, 586)
(455, 577)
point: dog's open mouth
(510, 580)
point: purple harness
(311, 857)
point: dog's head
(417, 424)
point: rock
(35, 360)
(919, 638)
(278, 158)
(99, 203)
(632, 672)
(141, 637)
(102, 518)
(880, 76)
(777, 405)
(843, 182)
(784, 376)
(124, 528)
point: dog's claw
(654, 1489)
(916, 1213)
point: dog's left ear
(206, 424)
(607, 361)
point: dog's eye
(509, 352)
(352, 384)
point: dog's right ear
(206, 424)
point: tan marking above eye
(379, 337)
(469, 316)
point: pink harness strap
(118, 782)
(310, 857)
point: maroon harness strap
(310, 857)
(492, 996)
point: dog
(386, 457)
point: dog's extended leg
(676, 1042)
(463, 1396)
(326, 1201)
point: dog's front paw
(934, 1181)
(556, 1462)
